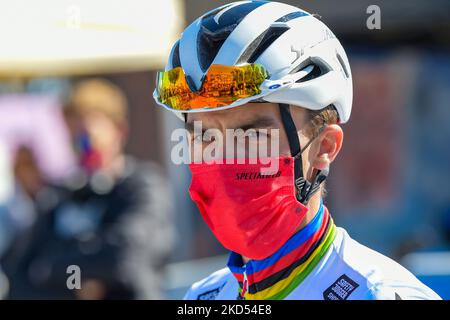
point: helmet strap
(305, 189)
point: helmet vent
(265, 39)
(261, 43)
(314, 73)
(292, 16)
(341, 61)
(216, 27)
(176, 56)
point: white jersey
(348, 271)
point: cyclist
(287, 71)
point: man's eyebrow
(261, 122)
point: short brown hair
(320, 118)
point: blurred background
(85, 172)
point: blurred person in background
(29, 197)
(21, 206)
(111, 217)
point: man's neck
(313, 207)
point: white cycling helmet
(305, 65)
(300, 53)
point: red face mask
(249, 213)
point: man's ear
(329, 145)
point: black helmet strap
(305, 189)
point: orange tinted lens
(222, 86)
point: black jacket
(118, 233)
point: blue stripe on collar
(236, 265)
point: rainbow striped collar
(277, 276)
